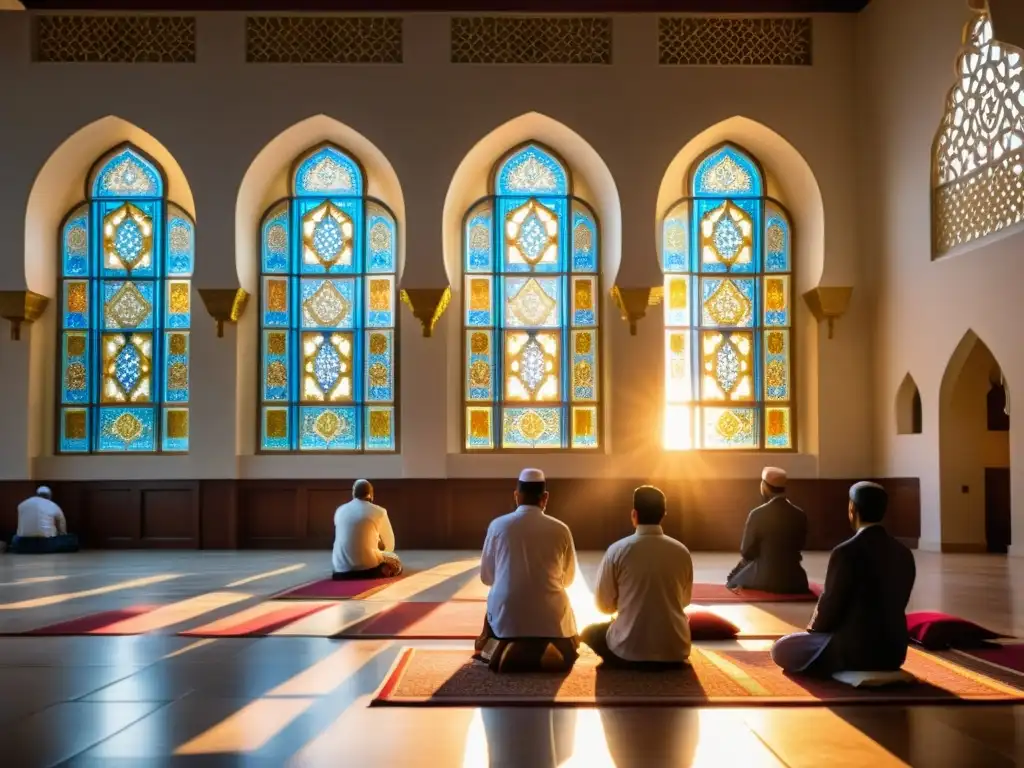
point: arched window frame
(697, 416)
(493, 419)
(296, 416)
(124, 374)
(978, 152)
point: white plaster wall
(216, 116)
(906, 51)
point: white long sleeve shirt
(528, 561)
(40, 517)
(648, 579)
(361, 531)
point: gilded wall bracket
(224, 305)
(828, 303)
(633, 303)
(427, 305)
(18, 307)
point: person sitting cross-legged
(364, 542)
(859, 624)
(773, 538)
(41, 527)
(648, 579)
(528, 561)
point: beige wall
(221, 127)
(906, 50)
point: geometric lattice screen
(328, 343)
(978, 162)
(530, 310)
(727, 257)
(127, 256)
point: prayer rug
(1008, 657)
(328, 589)
(456, 620)
(449, 678)
(260, 620)
(719, 593)
(92, 623)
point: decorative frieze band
(734, 41)
(115, 39)
(323, 40)
(531, 40)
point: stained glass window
(530, 310)
(127, 256)
(327, 313)
(727, 257)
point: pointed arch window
(727, 258)
(328, 319)
(127, 256)
(978, 155)
(530, 310)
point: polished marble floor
(159, 699)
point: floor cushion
(874, 679)
(940, 631)
(705, 625)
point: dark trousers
(596, 636)
(807, 653)
(44, 545)
(380, 572)
(525, 654)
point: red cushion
(939, 631)
(705, 625)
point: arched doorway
(974, 451)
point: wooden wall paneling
(268, 515)
(169, 516)
(218, 514)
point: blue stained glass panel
(327, 171)
(128, 304)
(380, 301)
(329, 428)
(531, 227)
(777, 240)
(382, 240)
(126, 173)
(479, 245)
(727, 234)
(380, 377)
(531, 171)
(75, 243)
(776, 300)
(730, 428)
(127, 429)
(776, 364)
(181, 242)
(130, 247)
(584, 241)
(178, 303)
(584, 301)
(531, 428)
(76, 304)
(274, 240)
(380, 429)
(479, 301)
(324, 241)
(728, 172)
(328, 303)
(275, 364)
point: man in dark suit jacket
(772, 540)
(860, 622)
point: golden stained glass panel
(678, 385)
(76, 344)
(727, 236)
(127, 366)
(480, 294)
(378, 343)
(77, 299)
(127, 239)
(532, 306)
(326, 367)
(277, 295)
(584, 293)
(531, 366)
(276, 424)
(677, 293)
(127, 308)
(479, 343)
(179, 297)
(177, 424)
(177, 376)
(727, 366)
(380, 424)
(74, 425)
(584, 343)
(178, 343)
(531, 235)
(327, 236)
(380, 295)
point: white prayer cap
(531, 476)
(774, 477)
(42, 490)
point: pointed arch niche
(978, 153)
(762, 197)
(55, 254)
(974, 460)
(531, 206)
(909, 415)
(319, 231)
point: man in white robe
(528, 561)
(41, 527)
(364, 541)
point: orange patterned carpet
(435, 677)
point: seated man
(860, 622)
(528, 561)
(41, 527)
(363, 539)
(648, 579)
(772, 539)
